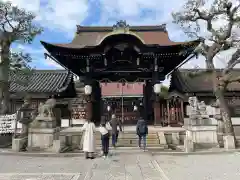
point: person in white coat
(89, 139)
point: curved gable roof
(89, 36)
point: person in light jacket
(89, 139)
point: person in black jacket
(142, 131)
(115, 123)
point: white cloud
(64, 15)
(56, 14)
(52, 64)
(132, 11)
(37, 55)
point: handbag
(108, 126)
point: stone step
(130, 145)
(131, 140)
(122, 141)
(128, 136)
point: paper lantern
(157, 88)
(88, 89)
(135, 108)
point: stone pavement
(200, 167)
(117, 167)
(139, 166)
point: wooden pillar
(96, 102)
(157, 111)
(169, 115)
(145, 104)
(182, 112)
(89, 107)
(176, 110)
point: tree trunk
(4, 76)
(225, 113)
(219, 90)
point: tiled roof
(46, 81)
(184, 80)
(92, 36)
(116, 89)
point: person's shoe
(104, 157)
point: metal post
(122, 107)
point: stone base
(204, 134)
(41, 138)
(175, 138)
(17, 144)
(44, 122)
(162, 138)
(229, 142)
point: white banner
(7, 123)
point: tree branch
(7, 20)
(18, 23)
(235, 59)
(235, 79)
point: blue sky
(60, 17)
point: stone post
(24, 116)
(193, 120)
(220, 123)
(188, 141)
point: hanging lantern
(88, 89)
(108, 108)
(135, 108)
(157, 88)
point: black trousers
(105, 144)
(115, 138)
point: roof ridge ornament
(163, 27)
(121, 26)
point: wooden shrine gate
(171, 112)
(123, 108)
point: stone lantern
(25, 117)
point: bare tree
(16, 25)
(219, 21)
